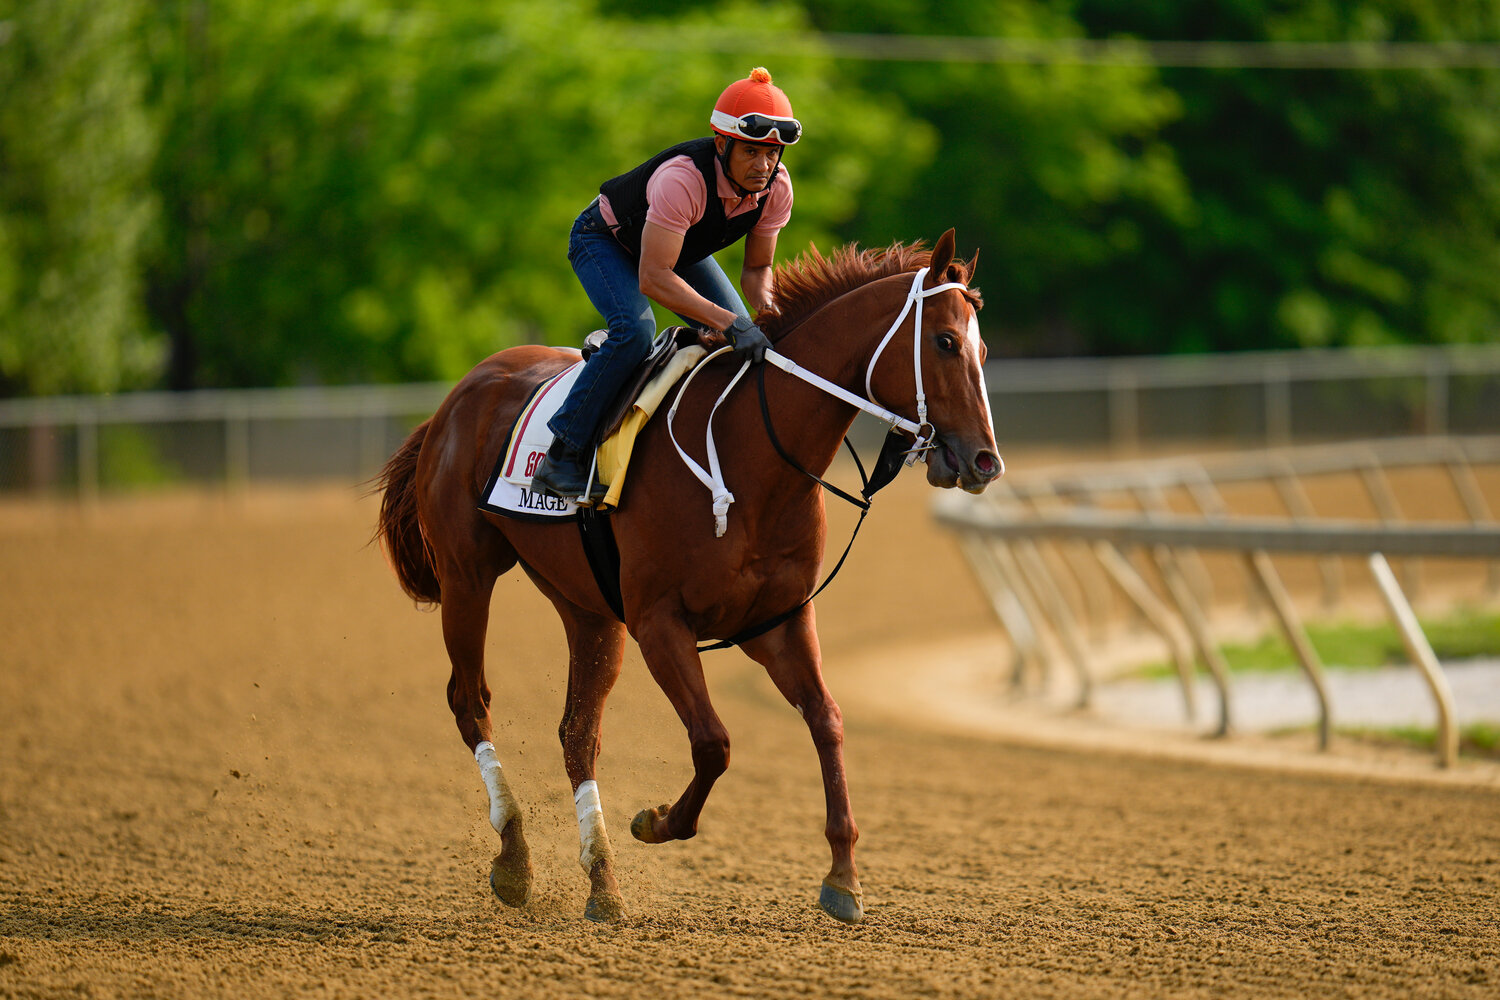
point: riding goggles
(757, 127)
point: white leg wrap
(591, 836)
(503, 805)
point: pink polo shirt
(676, 197)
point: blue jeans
(610, 275)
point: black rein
(886, 467)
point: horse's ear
(942, 256)
(972, 267)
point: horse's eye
(947, 343)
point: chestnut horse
(680, 582)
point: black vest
(710, 234)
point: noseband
(713, 479)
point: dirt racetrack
(227, 769)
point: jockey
(650, 236)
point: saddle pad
(509, 489)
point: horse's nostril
(987, 464)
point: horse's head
(949, 364)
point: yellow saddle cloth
(614, 453)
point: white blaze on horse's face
(965, 454)
(976, 344)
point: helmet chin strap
(729, 142)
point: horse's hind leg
(595, 647)
(791, 657)
(466, 608)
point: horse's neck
(837, 343)
(838, 339)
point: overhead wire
(1085, 51)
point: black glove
(745, 337)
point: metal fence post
(1006, 604)
(1421, 654)
(1291, 626)
(1472, 497)
(1064, 625)
(1278, 406)
(88, 458)
(1197, 624)
(1010, 569)
(1378, 487)
(1124, 410)
(236, 449)
(1145, 600)
(1439, 370)
(1294, 496)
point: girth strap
(603, 556)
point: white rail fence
(88, 444)
(84, 445)
(1054, 554)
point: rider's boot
(563, 473)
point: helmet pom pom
(760, 75)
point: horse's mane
(811, 280)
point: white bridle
(915, 296)
(713, 479)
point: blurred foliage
(1052, 170)
(76, 142)
(224, 193)
(365, 193)
(1330, 208)
(130, 457)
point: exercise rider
(651, 235)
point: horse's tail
(399, 530)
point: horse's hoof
(841, 904)
(511, 886)
(643, 827)
(604, 908)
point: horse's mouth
(947, 467)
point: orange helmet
(755, 109)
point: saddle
(666, 345)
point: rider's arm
(756, 276)
(660, 248)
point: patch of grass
(1480, 739)
(1467, 633)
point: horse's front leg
(791, 657)
(671, 653)
(595, 647)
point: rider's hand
(745, 337)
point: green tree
(1053, 170)
(357, 192)
(1330, 207)
(75, 209)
